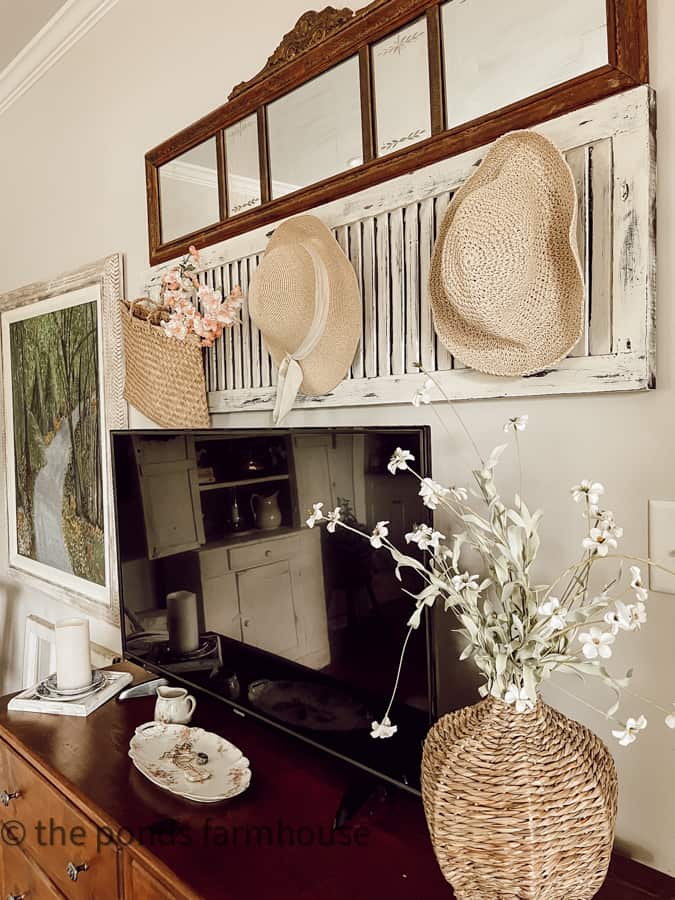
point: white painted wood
(444, 359)
(399, 297)
(57, 37)
(369, 299)
(355, 250)
(426, 244)
(600, 239)
(388, 232)
(633, 220)
(574, 375)
(578, 160)
(412, 288)
(383, 294)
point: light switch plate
(662, 544)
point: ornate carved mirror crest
(351, 99)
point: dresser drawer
(23, 877)
(259, 554)
(57, 835)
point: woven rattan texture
(164, 377)
(519, 805)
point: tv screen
(224, 587)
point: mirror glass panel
(400, 65)
(315, 131)
(493, 60)
(188, 191)
(242, 165)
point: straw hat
(506, 285)
(305, 300)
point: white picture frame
(99, 284)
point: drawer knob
(72, 871)
(6, 796)
(16, 896)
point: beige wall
(72, 188)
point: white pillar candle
(73, 662)
(182, 621)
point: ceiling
(21, 21)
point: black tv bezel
(424, 469)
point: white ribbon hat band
(290, 371)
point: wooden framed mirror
(350, 99)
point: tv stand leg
(360, 788)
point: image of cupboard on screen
(54, 447)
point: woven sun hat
(506, 285)
(305, 300)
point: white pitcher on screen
(265, 509)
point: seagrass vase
(519, 805)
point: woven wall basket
(519, 805)
(164, 377)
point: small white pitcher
(174, 705)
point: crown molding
(61, 32)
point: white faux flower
(423, 395)
(599, 542)
(383, 729)
(333, 519)
(460, 493)
(517, 423)
(631, 617)
(462, 582)
(631, 730)
(596, 643)
(432, 492)
(670, 719)
(316, 516)
(519, 697)
(552, 610)
(605, 521)
(399, 460)
(613, 620)
(638, 585)
(425, 537)
(379, 531)
(588, 489)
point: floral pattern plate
(189, 762)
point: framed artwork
(62, 393)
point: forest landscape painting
(52, 397)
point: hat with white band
(305, 300)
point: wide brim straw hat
(506, 285)
(305, 299)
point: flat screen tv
(296, 626)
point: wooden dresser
(77, 820)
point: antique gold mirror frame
(320, 41)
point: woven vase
(519, 805)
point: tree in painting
(57, 441)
